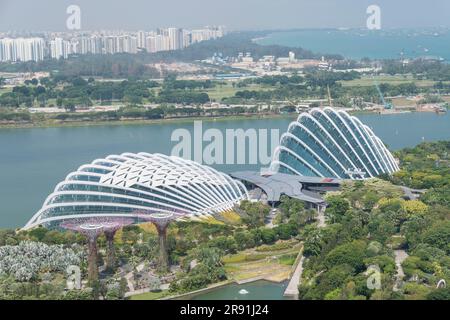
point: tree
(227, 244)
(313, 241)
(268, 236)
(352, 254)
(439, 236)
(337, 207)
(244, 240)
(286, 231)
(412, 230)
(439, 294)
(85, 294)
(381, 228)
(290, 206)
(255, 212)
(415, 207)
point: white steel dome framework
(139, 186)
(331, 143)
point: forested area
(368, 221)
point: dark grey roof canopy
(277, 184)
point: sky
(50, 15)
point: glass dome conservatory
(137, 185)
(331, 143)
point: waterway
(258, 290)
(34, 160)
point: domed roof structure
(331, 143)
(137, 185)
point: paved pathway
(400, 256)
(269, 221)
(292, 288)
(130, 277)
(321, 219)
(412, 194)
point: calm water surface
(357, 44)
(258, 290)
(33, 161)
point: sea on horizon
(362, 43)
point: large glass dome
(331, 143)
(137, 185)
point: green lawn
(225, 91)
(4, 90)
(150, 295)
(367, 81)
(273, 263)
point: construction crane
(299, 107)
(329, 96)
(387, 105)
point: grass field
(5, 90)
(367, 81)
(225, 91)
(273, 263)
(231, 217)
(150, 295)
(403, 102)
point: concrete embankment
(292, 287)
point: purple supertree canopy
(159, 218)
(92, 227)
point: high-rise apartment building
(62, 45)
(22, 49)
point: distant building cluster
(62, 45)
(268, 64)
(22, 49)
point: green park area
(269, 262)
(368, 81)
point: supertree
(161, 220)
(92, 228)
(110, 232)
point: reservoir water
(258, 290)
(34, 160)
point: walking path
(400, 256)
(292, 288)
(412, 194)
(321, 218)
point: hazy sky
(42, 15)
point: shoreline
(130, 122)
(215, 286)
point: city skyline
(25, 15)
(62, 44)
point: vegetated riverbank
(272, 264)
(50, 123)
(124, 122)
